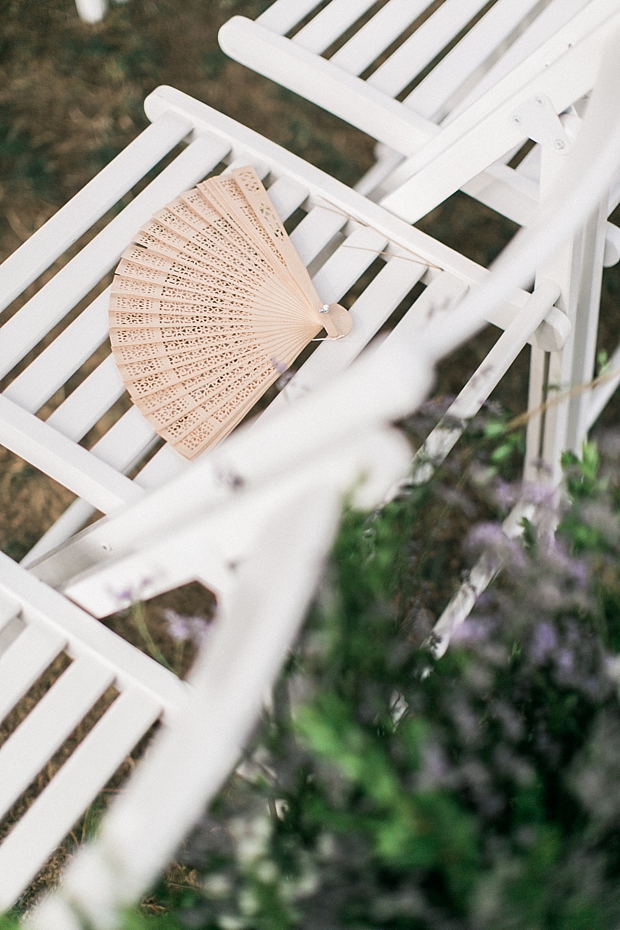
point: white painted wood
(425, 43)
(25, 660)
(76, 279)
(370, 311)
(325, 84)
(74, 786)
(85, 636)
(91, 11)
(49, 724)
(433, 94)
(479, 387)
(62, 358)
(336, 196)
(348, 263)
(126, 442)
(551, 20)
(285, 453)
(376, 35)
(286, 196)
(283, 15)
(315, 232)
(330, 23)
(89, 401)
(9, 609)
(443, 167)
(63, 460)
(78, 215)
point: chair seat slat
(453, 71)
(62, 358)
(315, 232)
(64, 461)
(76, 279)
(377, 34)
(49, 724)
(126, 441)
(425, 43)
(550, 21)
(88, 402)
(370, 311)
(36, 254)
(283, 15)
(330, 23)
(71, 790)
(348, 263)
(25, 659)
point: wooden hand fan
(209, 305)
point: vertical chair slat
(49, 724)
(49, 819)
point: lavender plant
(390, 791)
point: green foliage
(407, 794)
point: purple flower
(544, 642)
(182, 627)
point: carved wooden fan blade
(209, 306)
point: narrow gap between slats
(445, 50)
(402, 38)
(353, 28)
(307, 18)
(34, 789)
(84, 828)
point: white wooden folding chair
(455, 90)
(292, 467)
(342, 234)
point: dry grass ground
(70, 99)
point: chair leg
(558, 380)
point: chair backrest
(438, 83)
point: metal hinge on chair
(538, 120)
